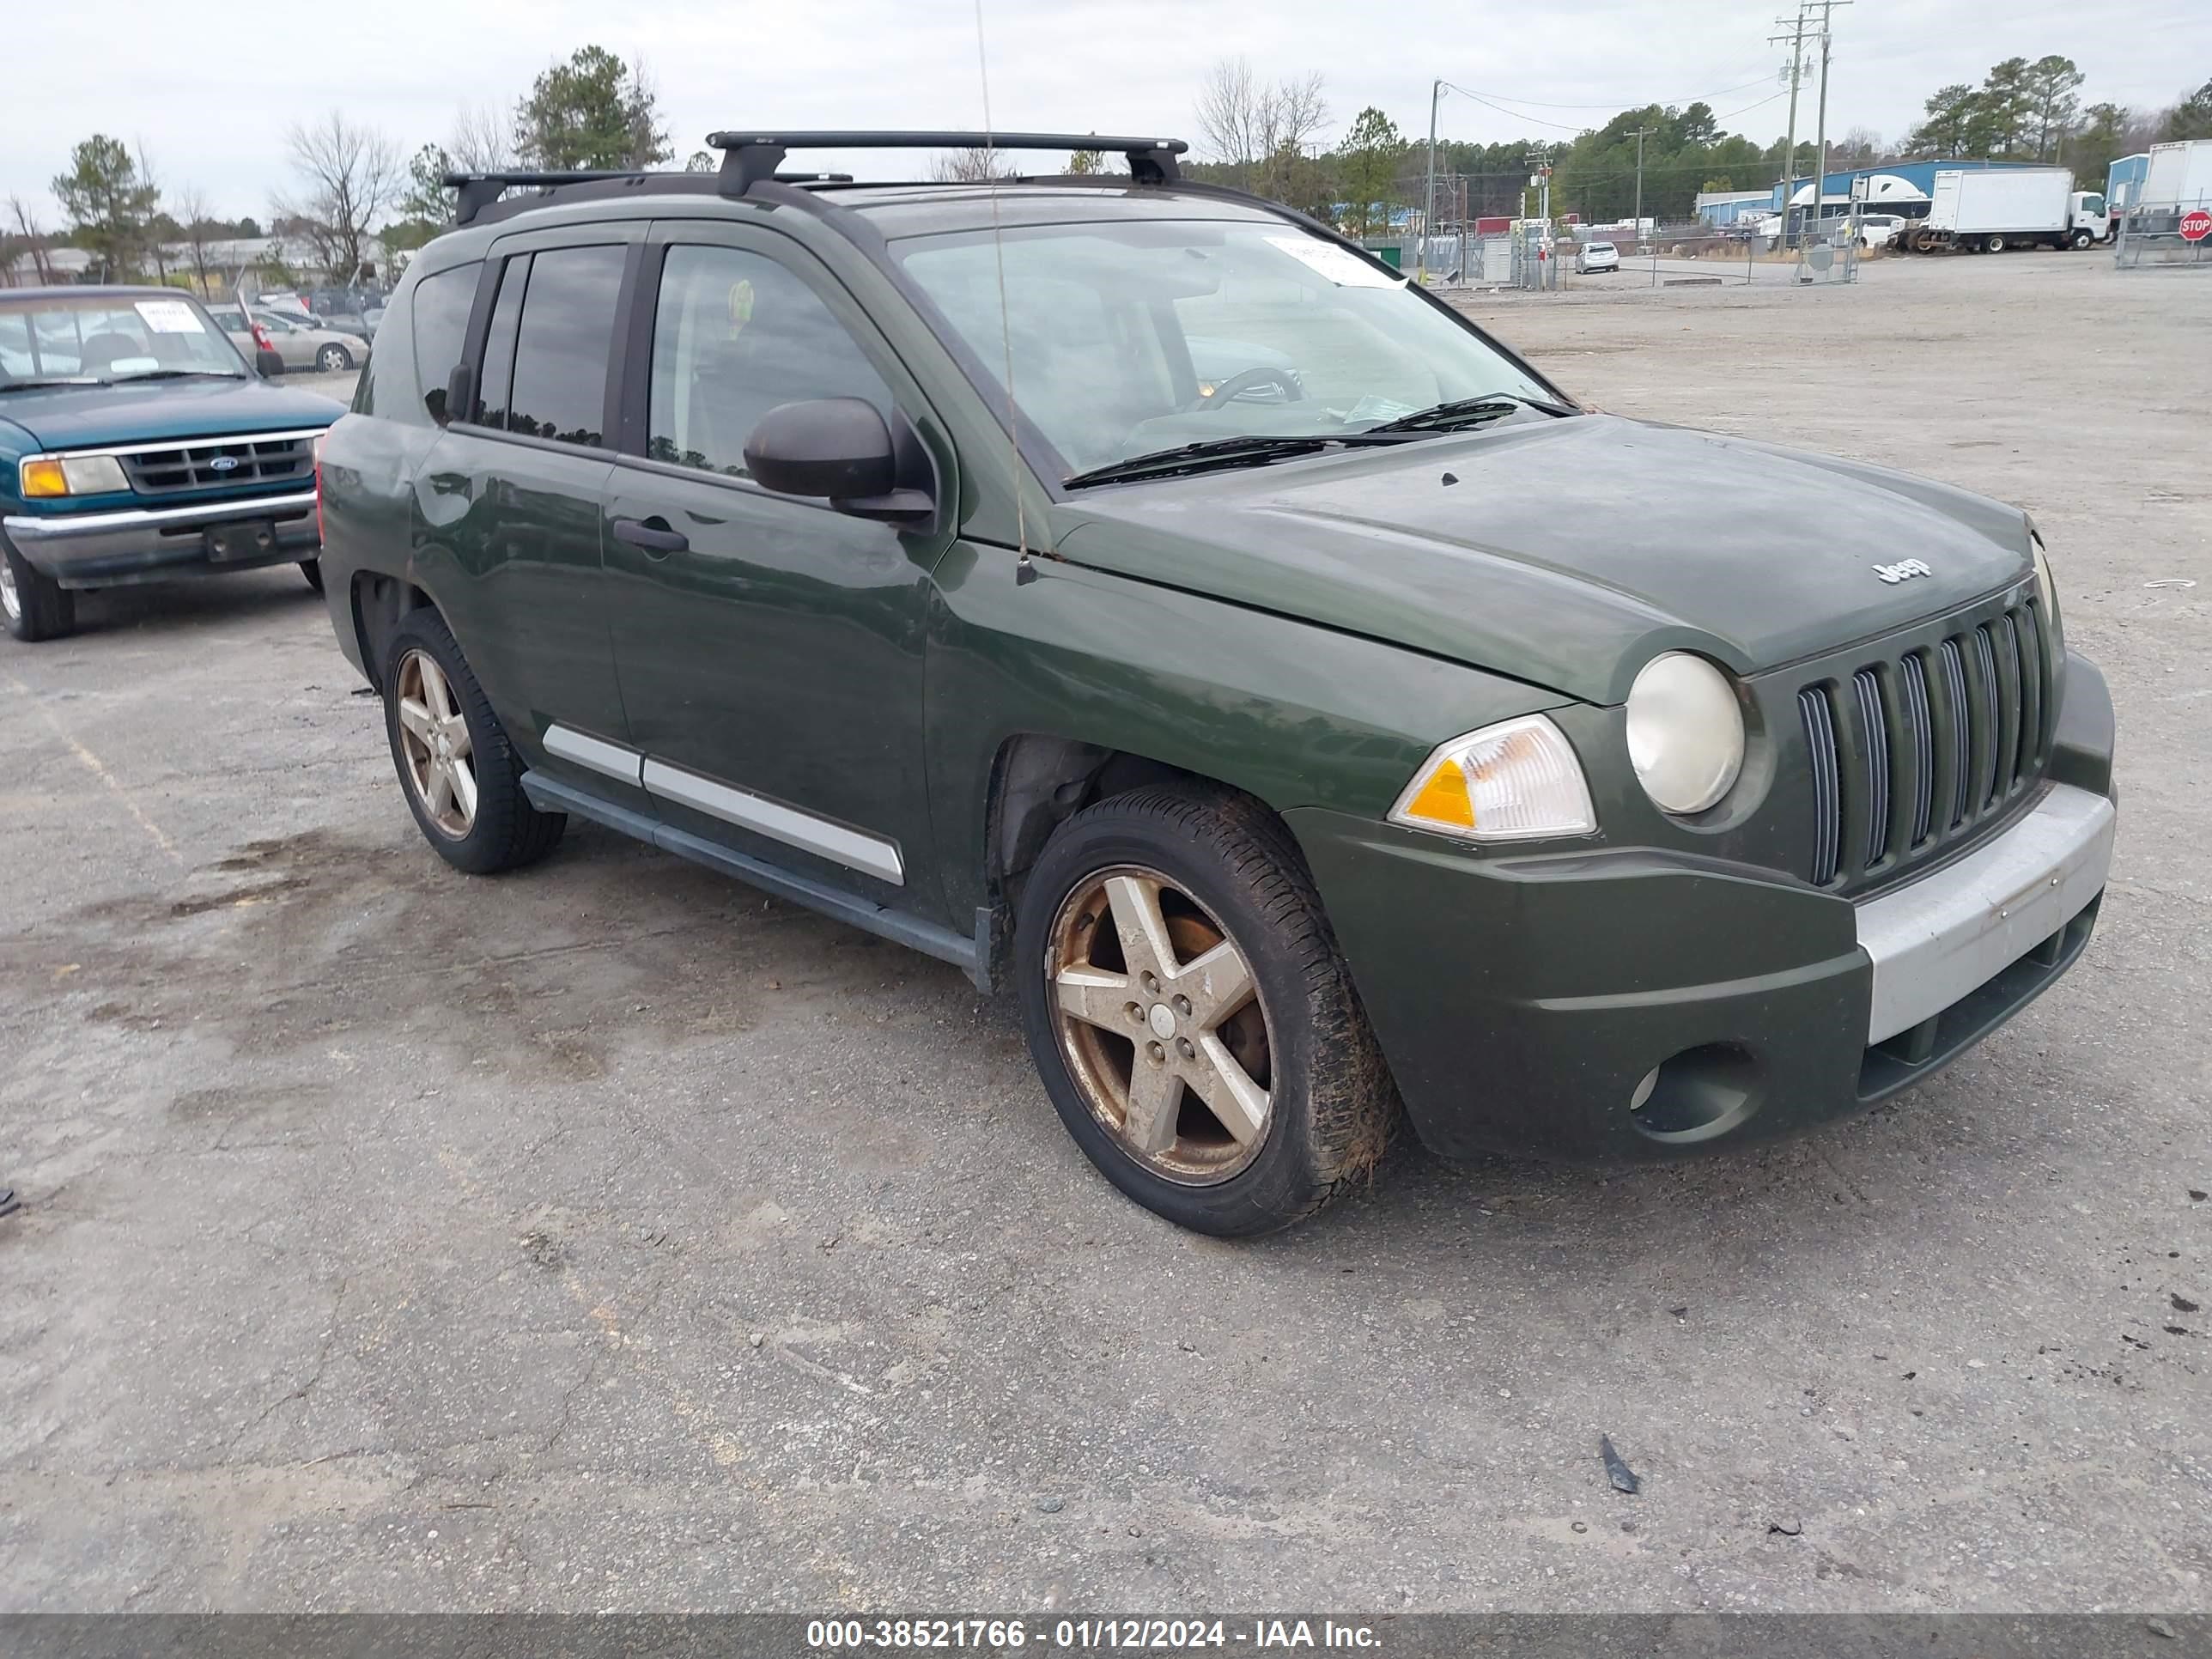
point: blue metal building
(1901, 187)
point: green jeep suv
(1133, 593)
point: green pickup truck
(1133, 592)
(137, 446)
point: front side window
(735, 334)
(110, 339)
(567, 337)
(1130, 337)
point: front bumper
(134, 544)
(1526, 1002)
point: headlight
(2045, 589)
(1684, 732)
(43, 478)
(1515, 780)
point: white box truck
(1989, 210)
(2179, 175)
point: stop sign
(2196, 227)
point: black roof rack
(479, 190)
(748, 157)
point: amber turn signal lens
(43, 480)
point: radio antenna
(1023, 570)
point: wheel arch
(1038, 781)
(379, 604)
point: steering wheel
(1246, 380)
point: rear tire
(333, 359)
(1994, 244)
(461, 776)
(36, 606)
(1274, 1025)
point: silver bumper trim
(27, 530)
(1933, 941)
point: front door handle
(651, 534)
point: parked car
(252, 339)
(1591, 256)
(347, 310)
(1289, 761)
(135, 445)
(301, 342)
(1880, 229)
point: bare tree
(1292, 116)
(971, 166)
(350, 175)
(482, 140)
(1230, 114)
(34, 238)
(192, 218)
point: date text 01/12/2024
(1166, 1635)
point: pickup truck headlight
(44, 477)
(1684, 732)
(1515, 780)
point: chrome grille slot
(1827, 814)
(1922, 734)
(1875, 735)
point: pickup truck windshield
(1132, 337)
(106, 338)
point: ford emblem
(223, 463)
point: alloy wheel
(1159, 1018)
(435, 736)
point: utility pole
(1820, 144)
(1796, 37)
(1640, 135)
(1429, 206)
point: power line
(1540, 103)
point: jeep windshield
(100, 339)
(1133, 338)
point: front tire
(1246, 1090)
(36, 606)
(2082, 239)
(312, 570)
(461, 776)
(333, 359)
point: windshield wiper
(181, 374)
(1218, 453)
(1464, 411)
(31, 381)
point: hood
(1566, 552)
(93, 417)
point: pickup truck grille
(206, 462)
(1916, 751)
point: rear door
(512, 494)
(770, 650)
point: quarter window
(441, 325)
(734, 335)
(567, 337)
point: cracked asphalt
(611, 1237)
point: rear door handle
(653, 534)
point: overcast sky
(210, 91)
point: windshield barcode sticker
(169, 316)
(1341, 265)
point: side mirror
(839, 448)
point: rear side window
(441, 325)
(567, 337)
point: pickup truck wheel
(1193, 1021)
(35, 605)
(462, 778)
(331, 359)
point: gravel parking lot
(609, 1238)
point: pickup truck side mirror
(842, 450)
